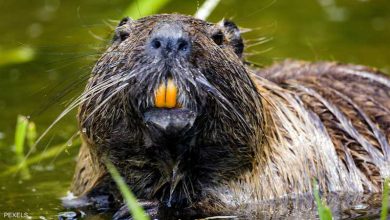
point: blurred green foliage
(17, 55)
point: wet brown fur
(304, 120)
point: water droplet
(84, 130)
(67, 215)
(360, 207)
(69, 143)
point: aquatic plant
(47, 154)
(324, 212)
(20, 137)
(140, 9)
(205, 10)
(143, 8)
(134, 207)
(20, 134)
(26, 131)
(385, 199)
(31, 135)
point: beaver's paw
(150, 207)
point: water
(67, 36)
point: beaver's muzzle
(168, 120)
(169, 123)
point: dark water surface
(67, 37)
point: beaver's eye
(217, 37)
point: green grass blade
(20, 134)
(143, 8)
(50, 153)
(323, 210)
(136, 210)
(385, 199)
(205, 10)
(31, 134)
(23, 168)
(20, 137)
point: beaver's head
(172, 105)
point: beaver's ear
(232, 35)
(123, 30)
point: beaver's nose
(169, 40)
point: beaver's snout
(169, 40)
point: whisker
(258, 52)
(90, 93)
(68, 141)
(222, 100)
(259, 41)
(47, 145)
(97, 37)
(83, 56)
(105, 101)
(82, 98)
(110, 24)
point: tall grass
(324, 212)
(205, 10)
(20, 137)
(141, 8)
(52, 152)
(136, 210)
(385, 199)
(31, 135)
(25, 131)
(144, 8)
(20, 134)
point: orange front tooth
(159, 99)
(171, 94)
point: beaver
(189, 125)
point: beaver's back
(353, 104)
